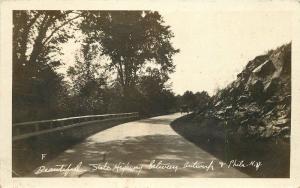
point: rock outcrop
(258, 102)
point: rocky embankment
(258, 103)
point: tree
(37, 34)
(132, 40)
(194, 101)
(189, 100)
(202, 100)
(88, 81)
(156, 97)
(36, 39)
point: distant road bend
(143, 148)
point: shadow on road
(209, 136)
(140, 151)
(26, 154)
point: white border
(6, 78)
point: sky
(216, 46)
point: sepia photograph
(151, 93)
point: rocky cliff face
(258, 102)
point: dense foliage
(123, 64)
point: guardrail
(33, 128)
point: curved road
(143, 148)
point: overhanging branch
(58, 28)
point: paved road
(144, 148)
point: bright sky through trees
(215, 46)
